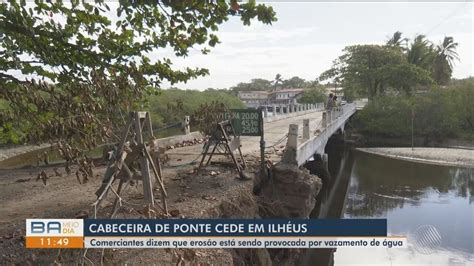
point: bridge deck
(276, 130)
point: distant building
(255, 99)
(285, 96)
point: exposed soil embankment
(440, 156)
(216, 192)
(289, 192)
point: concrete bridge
(298, 152)
(302, 130)
(302, 133)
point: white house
(254, 98)
(286, 96)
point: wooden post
(306, 128)
(144, 164)
(186, 128)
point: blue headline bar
(235, 227)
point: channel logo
(54, 227)
(54, 233)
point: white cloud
(309, 36)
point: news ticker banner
(209, 233)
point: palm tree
(443, 63)
(277, 81)
(397, 41)
(421, 52)
(447, 50)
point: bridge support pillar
(274, 109)
(289, 156)
(325, 161)
(265, 111)
(324, 120)
(306, 129)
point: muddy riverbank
(439, 156)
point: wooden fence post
(186, 127)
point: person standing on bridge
(330, 103)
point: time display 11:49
(48, 241)
(54, 242)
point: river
(412, 196)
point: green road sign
(246, 122)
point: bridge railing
(279, 112)
(332, 121)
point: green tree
(277, 81)
(444, 60)
(171, 105)
(438, 114)
(371, 70)
(256, 84)
(421, 53)
(313, 95)
(397, 41)
(84, 63)
(295, 82)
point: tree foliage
(371, 70)
(69, 70)
(313, 95)
(259, 84)
(171, 105)
(397, 41)
(444, 60)
(438, 114)
(256, 84)
(400, 66)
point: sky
(308, 36)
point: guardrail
(285, 111)
(331, 121)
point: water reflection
(411, 194)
